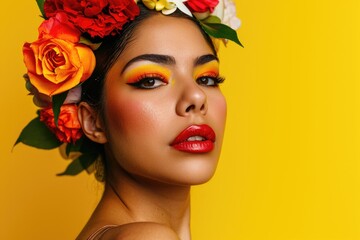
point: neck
(144, 200)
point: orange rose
(68, 129)
(55, 65)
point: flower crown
(62, 58)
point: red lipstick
(195, 139)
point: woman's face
(164, 113)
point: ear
(91, 123)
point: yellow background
(290, 162)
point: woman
(150, 110)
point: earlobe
(91, 123)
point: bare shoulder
(141, 231)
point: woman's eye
(210, 81)
(148, 83)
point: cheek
(122, 116)
(218, 108)
(119, 113)
(131, 117)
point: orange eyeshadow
(207, 69)
(147, 70)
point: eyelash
(216, 80)
(145, 78)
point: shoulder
(141, 231)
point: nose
(193, 100)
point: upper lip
(202, 130)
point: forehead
(174, 36)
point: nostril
(202, 107)
(189, 108)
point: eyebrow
(168, 60)
(156, 58)
(205, 59)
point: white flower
(230, 18)
(226, 11)
(219, 10)
(167, 6)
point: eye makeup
(209, 69)
(151, 71)
(208, 74)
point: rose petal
(68, 129)
(42, 84)
(59, 27)
(88, 60)
(29, 57)
(55, 66)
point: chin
(200, 179)
(197, 172)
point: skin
(150, 193)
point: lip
(205, 145)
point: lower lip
(195, 146)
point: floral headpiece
(62, 58)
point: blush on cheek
(120, 114)
(128, 116)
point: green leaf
(92, 45)
(211, 19)
(219, 30)
(58, 101)
(37, 134)
(40, 4)
(89, 146)
(79, 164)
(70, 147)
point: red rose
(59, 26)
(201, 6)
(98, 18)
(69, 129)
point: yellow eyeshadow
(210, 68)
(134, 74)
(172, 82)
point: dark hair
(107, 54)
(112, 47)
